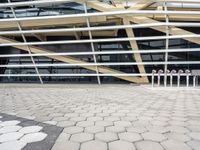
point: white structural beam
(103, 64)
(109, 13)
(104, 40)
(113, 52)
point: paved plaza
(93, 117)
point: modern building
(97, 41)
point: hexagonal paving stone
(159, 123)
(33, 137)
(194, 122)
(66, 123)
(10, 136)
(178, 129)
(148, 145)
(158, 129)
(78, 119)
(152, 136)
(179, 118)
(94, 129)
(60, 118)
(194, 144)
(140, 123)
(195, 135)
(10, 123)
(130, 118)
(30, 129)
(116, 129)
(178, 137)
(123, 123)
(104, 123)
(51, 122)
(8, 129)
(85, 123)
(106, 136)
(73, 130)
(194, 128)
(82, 137)
(130, 137)
(87, 114)
(13, 145)
(66, 145)
(112, 118)
(95, 118)
(56, 114)
(175, 145)
(177, 123)
(63, 137)
(102, 114)
(119, 145)
(136, 129)
(71, 115)
(94, 145)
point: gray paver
(81, 137)
(130, 137)
(194, 144)
(67, 145)
(94, 145)
(94, 129)
(148, 145)
(73, 130)
(195, 135)
(118, 145)
(116, 129)
(178, 137)
(175, 145)
(106, 136)
(153, 136)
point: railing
(178, 74)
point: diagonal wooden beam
(134, 46)
(172, 31)
(133, 43)
(72, 60)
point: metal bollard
(194, 81)
(159, 72)
(171, 77)
(179, 77)
(187, 77)
(165, 82)
(197, 80)
(152, 77)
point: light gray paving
(102, 117)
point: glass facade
(95, 42)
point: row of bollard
(172, 73)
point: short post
(153, 77)
(179, 77)
(194, 81)
(171, 77)
(166, 75)
(187, 77)
(159, 72)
